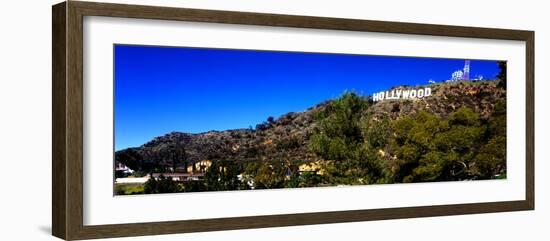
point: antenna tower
(466, 75)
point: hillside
(288, 137)
(447, 97)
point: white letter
(427, 91)
(420, 93)
(399, 94)
(375, 97)
(406, 94)
(413, 93)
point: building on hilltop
(463, 74)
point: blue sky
(163, 89)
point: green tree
(223, 175)
(310, 179)
(162, 185)
(460, 142)
(502, 66)
(131, 158)
(270, 175)
(430, 148)
(339, 130)
(491, 159)
(177, 154)
(193, 186)
(340, 138)
(412, 139)
(376, 131)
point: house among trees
(200, 166)
(179, 177)
(122, 170)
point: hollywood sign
(402, 94)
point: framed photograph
(171, 120)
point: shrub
(162, 185)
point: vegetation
(128, 189)
(161, 185)
(502, 74)
(341, 138)
(418, 148)
(347, 141)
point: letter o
(420, 93)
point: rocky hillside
(287, 137)
(446, 97)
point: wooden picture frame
(67, 124)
